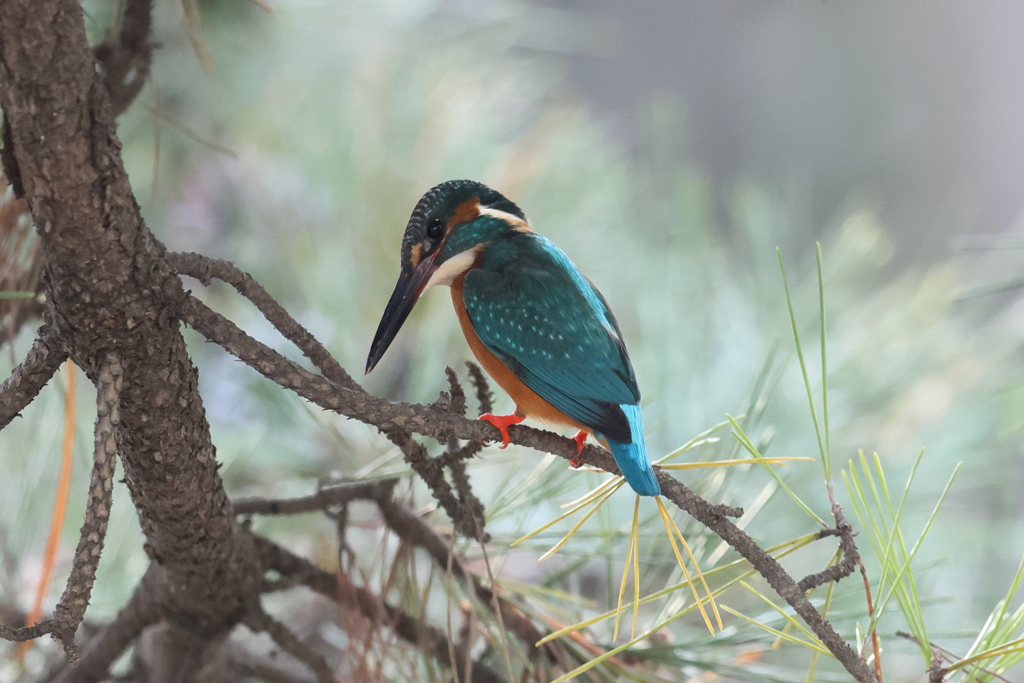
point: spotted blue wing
(532, 308)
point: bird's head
(449, 227)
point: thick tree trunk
(109, 292)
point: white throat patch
(453, 267)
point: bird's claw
(502, 422)
(580, 439)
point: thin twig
(432, 473)
(325, 498)
(31, 375)
(259, 621)
(339, 589)
(941, 654)
(28, 632)
(484, 397)
(205, 269)
(143, 609)
(871, 615)
(411, 529)
(128, 54)
(843, 568)
(71, 608)
(457, 396)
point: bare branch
(427, 638)
(206, 269)
(325, 498)
(28, 632)
(843, 568)
(484, 396)
(408, 526)
(259, 621)
(28, 379)
(142, 610)
(71, 609)
(126, 58)
(458, 396)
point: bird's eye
(435, 228)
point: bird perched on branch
(537, 326)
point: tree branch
(31, 375)
(259, 621)
(408, 526)
(768, 567)
(142, 610)
(71, 609)
(429, 421)
(843, 568)
(205, 269)
(427, 638)
(126, 58)
(325, 498)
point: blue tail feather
(632, 457)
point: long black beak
(410, 285)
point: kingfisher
(538, 327)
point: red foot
(580, 439)
(502, 422)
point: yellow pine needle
(669, 526)
(622, 588)
(780, 634)
(527, 590)
(998, 651)
(782, 550)
(698, 440)
(791, 621)
(595, 492)
(700, 575)
(559, 518)
(608, 654)
(576, 526)
(696, 566)
(636, 564)
(728, 463)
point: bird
(538, 327)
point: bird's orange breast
(528, 402)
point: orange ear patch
(464, 212)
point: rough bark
(110, 292)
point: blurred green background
(667, 149)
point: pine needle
(60, 505)
(803, 363)
(734, 461)
(595, 492)
(569, 513)
(670, 529)
(792, 621)
(699, 440)
(785, 636)
(747, 444)
(194, 31)
(576, 526)
(635, 532)
(622, 587)
(778, 551)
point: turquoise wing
(533, 309)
